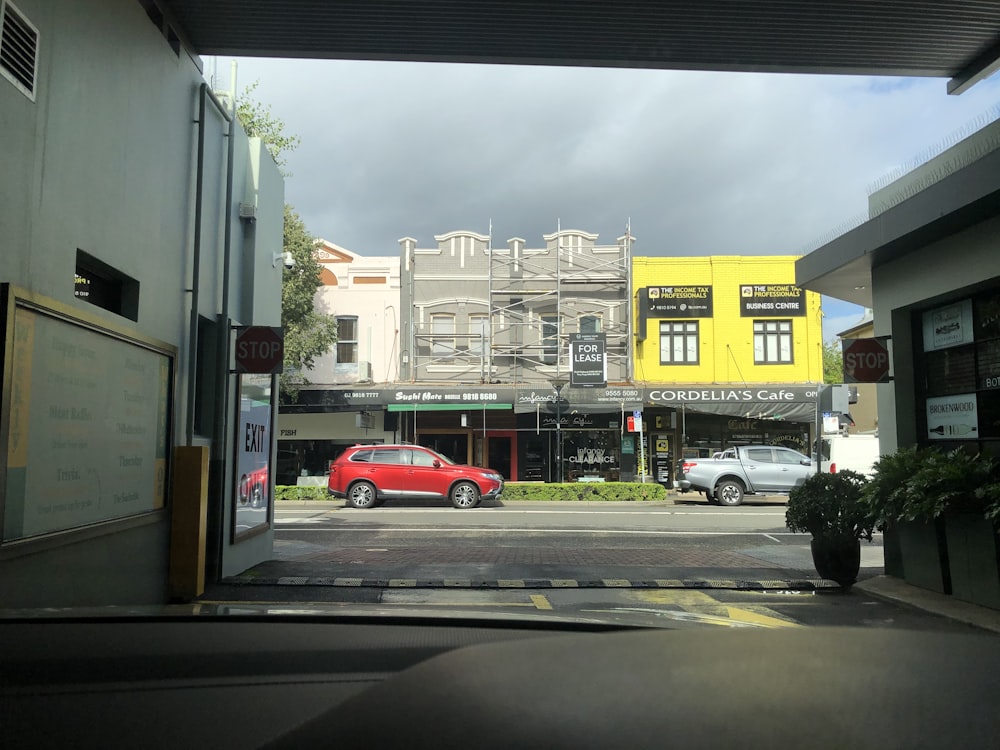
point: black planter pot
(837, 560)
(973, 558)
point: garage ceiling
(958, 39)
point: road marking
(507, 529)
(772, 538)
(706, 604)
(754, 618)
(540, 602)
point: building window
(772, 342)
(678, 342)
(442, 335)
(347, 339)
(550, 339)
(479, 333)
(590, 324)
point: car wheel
(729, 492)
(465, 495)
(362, 495)
(257, 496)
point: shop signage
(771, 300)
(697, 395)
(679, 301)
(953, 417)
(253, 455)
(588, 361)
(569, 420)
(866, 360)
(948, 326)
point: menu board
(88, 427)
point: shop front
(695, 421)
(542, 433)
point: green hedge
(597, 491)
(291, 492)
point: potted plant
(960, 490)
(832, 508)
(938, 511)
(910, 544)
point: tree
(308, 334)
(833, 362)
(259, 122)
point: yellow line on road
(754, 618)
(540, 602)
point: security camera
(288, 261)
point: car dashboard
(306, 682)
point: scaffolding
(539, 297)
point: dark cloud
(701, 163)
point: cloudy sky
(698, 163)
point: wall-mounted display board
(84, 418)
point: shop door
(500, 454)
(452, 445)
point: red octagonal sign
(866, 360)
(260, 349)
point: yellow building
(729, 351)
(725, 320)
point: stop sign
(260, 349)
(866, 361)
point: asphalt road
(678, 565)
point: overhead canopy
(958, 39)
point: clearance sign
(588, 360)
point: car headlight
(495, 477)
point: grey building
(139, 226)
(482, 314)
(537, 338)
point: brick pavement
(477, 555)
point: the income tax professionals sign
(678, 301)
(771, 301)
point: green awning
(448, 407)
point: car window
(362, 456)
(785, 456)
(761, 455)
(422, 458)
(386, 456)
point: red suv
(368, 474)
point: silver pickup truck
(746, 470)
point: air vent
(18, 49)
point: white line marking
(772, 538)
(609, 532)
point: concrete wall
(104, 161)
